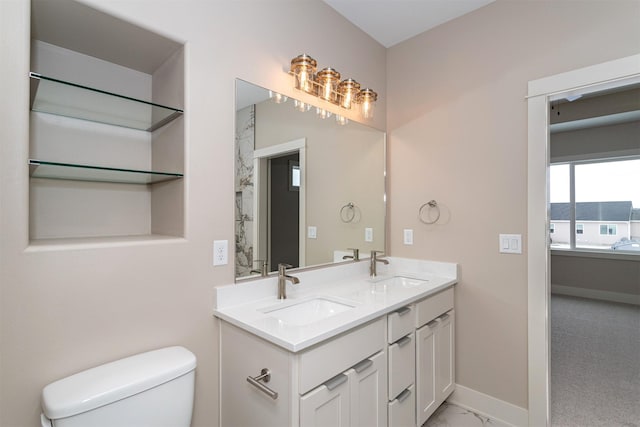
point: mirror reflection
(308, 187)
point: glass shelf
(49, 95)
(73, 172)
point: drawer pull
(433, 323)
(265, 376)
(402, 311)
(402, 396)
(366, 363)
(335, 381)
(444, 317)
(404, 341)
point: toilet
(151, 389)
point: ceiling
(391, 21)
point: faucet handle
(374, 254)
(282, 267)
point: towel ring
(348, 212)
(432, 204)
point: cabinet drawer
(327, 360)
(400, 323)
(402, 361)
(433, 306)
(402, 410)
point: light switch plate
(510, 243)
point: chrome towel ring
(432, 205)
(348, 212)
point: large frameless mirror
(308, 187)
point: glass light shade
(348, 90)
(323, 113)
(328, 80)
(278, 98)
(303, 68)
(341, 120)
(367, 99)
(301, 106)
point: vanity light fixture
(278, 98)
(326, 85)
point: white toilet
(146, 390)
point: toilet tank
(151, 389)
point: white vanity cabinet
(394, 371)
(339, 382)
(435, 364)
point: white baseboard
(596, 294)
(489, 406)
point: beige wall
(457, 123)
(69, 309)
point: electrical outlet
(408, 236)
(220, 250)
(368, 234)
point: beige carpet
(595, 363)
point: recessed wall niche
(106, 141)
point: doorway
(280, 184)
(284, 207)
(541, 92)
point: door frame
(261, 158)
(594, 78)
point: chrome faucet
(355, 256)
(374, 262)
(282, 280)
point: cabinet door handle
(363, 365)
(433, 323)
(402, 311)
(265, 376)
(404, 341)
(402, 396)
(335, 381)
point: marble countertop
(248, 305)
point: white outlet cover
(220, 252)
(368, 234)
(312, 232)
(408, 236)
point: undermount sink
(382, 284)
(307, 311)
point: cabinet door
(368, 384)
(445, 366)
(426, 356)
(327, 405)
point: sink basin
(307, 311)
(382, 284)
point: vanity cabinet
(393, 371)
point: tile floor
(450, 415)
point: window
(599, 200)
(608, 229)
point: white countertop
(244, 304)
